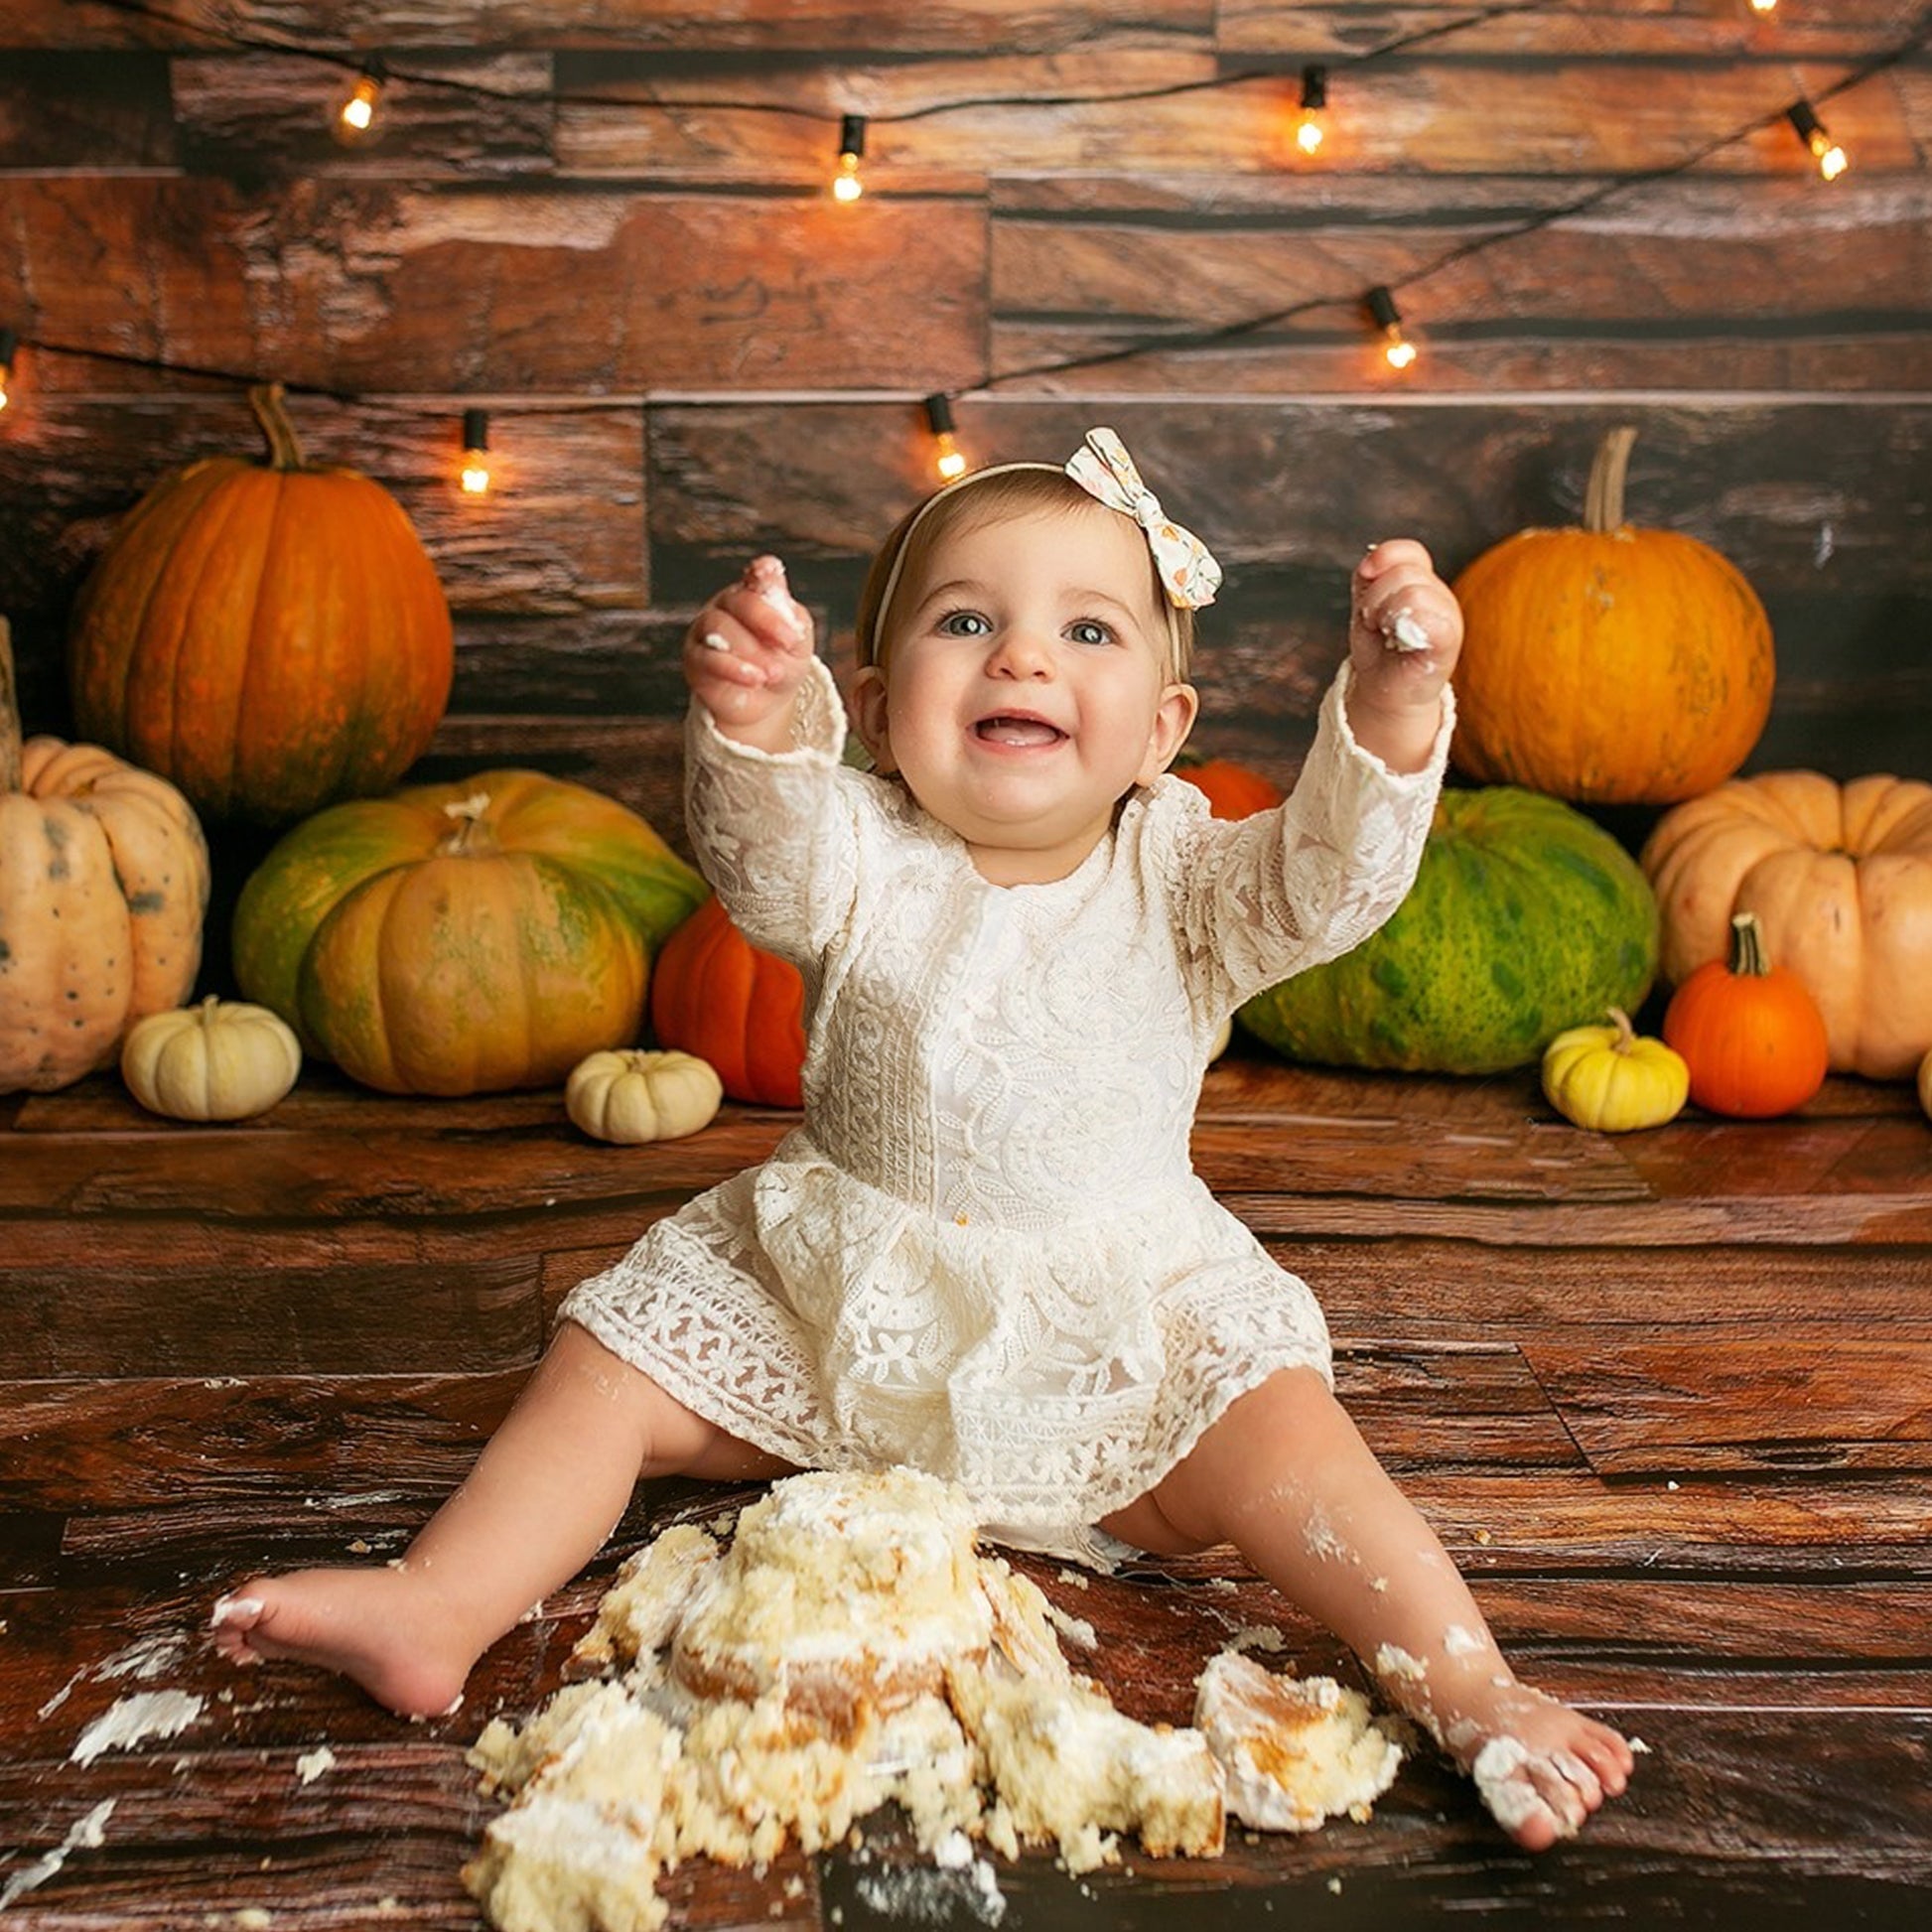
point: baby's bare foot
(1541, 1767)
(373, 1625)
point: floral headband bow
(1103, 468)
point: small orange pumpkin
(1748, 1032)
(1233, 791)
(269, 636)
(1608, 664)
(716, 994)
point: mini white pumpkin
(220, 1060)
(630, 1095)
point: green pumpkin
(1525, 919)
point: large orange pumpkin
(462, 938)
(104, 891)
(718, 996)
(269, 636)
(1608, 664)
(1839, 878)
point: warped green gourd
(1525, 919)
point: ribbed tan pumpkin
(1608, 664)
(631, 1096)
(104, 891)
(223, 1060)
(462, 938)
(269, 636)
(1839, 878)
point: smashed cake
(1295, 1752)
(851, 1647)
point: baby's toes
(1529, 1794)
(1608, 1754)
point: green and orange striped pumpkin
(462, 938)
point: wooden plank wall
(690, 352)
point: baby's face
(1025, 689)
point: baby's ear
(1173, 719)
(869, 714)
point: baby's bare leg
(547, 1490)
(1286, 1477)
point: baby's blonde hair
(1005, 491)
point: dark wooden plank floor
(1668, 1398)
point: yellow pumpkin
(220, 1060)
(633, 1096)
(1608, 664)
(1925, 1086)
(104, 891)
(1839, 878)
(1612, 1079)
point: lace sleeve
(775, 832)
(1270, 895)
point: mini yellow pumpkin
(220, 1060)
(1925, 1084)
(1611, 1079)
(630, 1096)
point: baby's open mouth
(1005, 729)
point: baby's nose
(1021, 651)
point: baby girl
(984, 1252)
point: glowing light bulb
(1831, 158)
(1397, 349)
(948, 458)
(1764, 6)
(476, 453)
(357, 115)
(846, 185)
(1309, 130)
(9, 343)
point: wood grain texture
(382, 285)
(1685, 1477)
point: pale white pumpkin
(630, 1095)
(220, 1060)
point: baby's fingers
(718, 646)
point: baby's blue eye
(964, 624)
(1089, 630)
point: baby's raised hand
(747, 651)
(1405, 633)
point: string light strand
(1219, 334)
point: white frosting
(147, 1713)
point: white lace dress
(985, 1252)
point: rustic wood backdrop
(690, 352)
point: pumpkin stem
(468, 814)
(1603, 494)
(1626, 1034)
(1748, 954)
(284, 448)
(9, 716)
(206, 1013)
